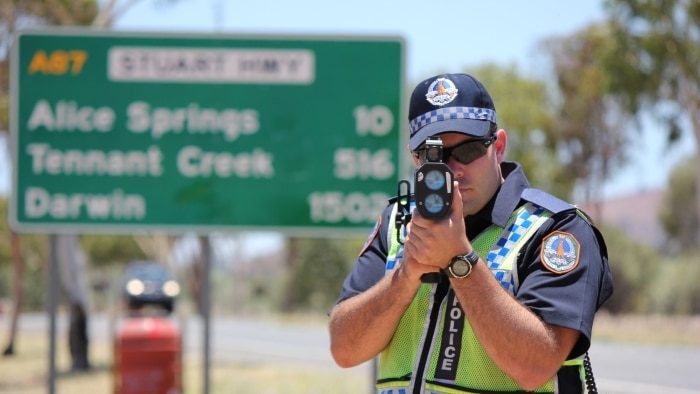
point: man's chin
(469, 208)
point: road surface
(619, 368)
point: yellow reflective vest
(434, 349)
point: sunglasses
(465, 152)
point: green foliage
(524, 111)
(108, 249)
(320, 267)
(16, 14)
(33, 282)
(675, 289)
(591, 138)
(681, 224)
(657, 55)
(63, 12)
(655, 64)
(634, 267)
(316, 272)
(647, 282)
(34, 250)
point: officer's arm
(520, 343)
(362, 326)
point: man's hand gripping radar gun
(433, 193)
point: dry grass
(26, 372)
(682, 330)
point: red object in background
(148, 356)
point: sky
(450, 35)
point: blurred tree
(13, 248)
(655, 65)
(316, 271)
(24, 256)
(108, 249)
(17, 14)
(680, 223)
(589, 123)
(675, 289)
(525, 111)
(634, 267)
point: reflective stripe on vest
(500, 259)
(457, 363)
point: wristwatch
(461, 265)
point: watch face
(461, 267)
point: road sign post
(116, 132)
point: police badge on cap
(441, 92)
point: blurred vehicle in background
(148, 283)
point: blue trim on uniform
(393, 391)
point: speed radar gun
(433, 192)
(433, 183)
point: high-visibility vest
(446, 358)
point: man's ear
(415, 159)
(500, 144)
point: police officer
(522, 273)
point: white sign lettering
(46, 160)
(268, 66)
(39, 203)
(192, 162)
(191, 119)
(69, 116)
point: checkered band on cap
(449, 113)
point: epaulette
(546, 200)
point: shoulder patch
(560, 252)
(372, 235)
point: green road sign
(120, 132)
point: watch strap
(470, 258)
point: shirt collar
(498, 210)
(508, 197)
